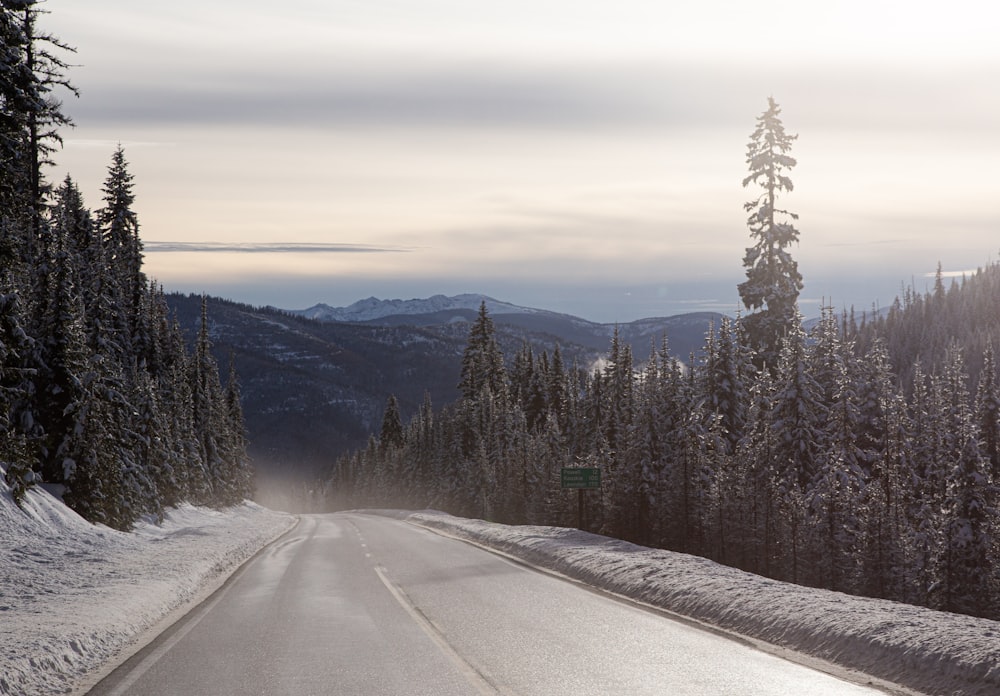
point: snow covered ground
(74, 595)
(926, 651)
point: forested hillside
(919, 329)
(313, 390)
(823, 472)
(860, 457)
(97, 390)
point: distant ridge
(685, 331)
(373, 308)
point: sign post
(580, 478)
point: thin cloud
(478, 93)
(952, 274)
(268, 248)
(865, 243)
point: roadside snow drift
(73, 595)
(925, 650)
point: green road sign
(581, 477)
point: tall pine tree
(773, 282)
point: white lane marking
(471, 674)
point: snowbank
(928, 651)
(73, 595)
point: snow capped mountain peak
(373, 308)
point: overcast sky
(579, 156)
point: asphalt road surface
(360, 604)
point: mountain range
(430, 310)
(686, 332)
(315, 382)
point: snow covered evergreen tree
(834, 499)
(224, 469)
(798, 411)
(988, 411)
(119, 226)
(482, 362)
(727, 371)
(94, 390)
(797, 416)
(773, 282)
(970, 577)
(969, 581)
(18, 425)
(73, 221)
(925, 492)
(621, 479)
(883, 436)
(65, 357)
(647, 450)
(30, 71)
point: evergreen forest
(99, 394)
(861, 455)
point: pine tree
(151, 442)
(421, 442)
(96, 390)
(924, 496)
(646, 449)
(727, 371)
(546, 459)
(482, 361)
(391, 434)
(834, 499)
(242, 483)
(71, 219)
(799, 412)
(180, 389)
(65, 359)
(773, 279)
(18, 427)
(760, 473)
(621, 477)
(119, 226)
(205, 393)
(619, 378)
(969, 583)
(91, 461)
(797, 417)
(884, 437)
(82, 450)
(30, 71)
(988, 411)
(557, 396)
(17, 99)
(535, 404)
(521, 372)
